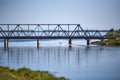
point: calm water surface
(76, 63)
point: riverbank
(26, 74)
(111, 42)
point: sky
(91, 14)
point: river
(80, 62)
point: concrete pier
(102, 39)
(5, 43)
(70, 42)
(88, 42)
(38, 44)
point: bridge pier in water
(70, 42)
(5, 43)
(102, 39)
(88, 42)
(38, 44)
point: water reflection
(75, 63)
(46, 57)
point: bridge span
(49, 31)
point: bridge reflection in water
(46, 58)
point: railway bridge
(49, 31)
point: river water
(79, 62)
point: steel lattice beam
(49, 31)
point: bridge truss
(48, 31)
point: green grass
(26, 74)
(113, 34)
(111, 42)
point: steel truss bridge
(49, 31)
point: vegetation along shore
(110, 42)
(26, 74)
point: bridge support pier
(88, 42)
(102, 39)
(70, 42)
(38, 43)
(5, 43)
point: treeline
(112, 32)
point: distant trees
(113, 32)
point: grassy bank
(26, 74)
(113, 33)
(111, 42)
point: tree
(119, 30)
(111, 30)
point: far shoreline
(109, 42)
